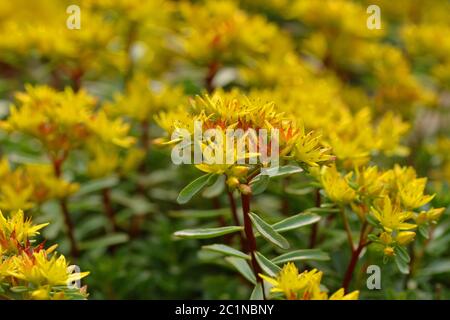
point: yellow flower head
(16, 230)
(63, 120)
(391, 216)
(29, 185)
(412, 193)
(40, 269)
(303, 286)
(336, 186)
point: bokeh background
(138, 58)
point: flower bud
(239, 171)
(421, 218)
(232, 182)
(385, 238)
(245, 189)
(435, 214)
(405, 237)
(389, 251)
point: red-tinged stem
(70, 228)
(107, 206)
(57, 167)
(236, 219)
(251, 240)
(212, 70)
(354, 259)
(76, 77)
(348, 230)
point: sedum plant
(30, 271)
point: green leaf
(266, 265)
(105, 241)
(19, 289)
(96, 185)
(199, 214)
(242, 266)
(257, 293)
(402, 253)
(206, 233)
(437, 267)
(278, 172)
(423, 230)
(297, 221)
(299, 192)
(402, 265)
(373, 237)
(322, 210)
(193, 188)
(138, 204)
(227, 250)
(268, 232)
(215, 189)
(303, 254)
(260, 185)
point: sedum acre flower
(336, 186)
(16, 230)
(391, 216)
(303, 286)
(63, 120)
(39, 273)
(223, 111)
(31, 184)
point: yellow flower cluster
(235, 111)
(63, 121)
(30, 185)
(390, 197)
(27, 270)
(304, 286)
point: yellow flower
(434, 214)
(31, 184)
(405, 237)
(389, 251)
(143, 99)
(303, 286)
(385, 238)
(412, 193)
(389, 132)
(63, 120)
(337, 187)
(391, 216)
(309, 150)
(16, 230)
(340, 295)
(221, 31)
(41, 270)
(234, 111)
(291, 283)
(369, 183)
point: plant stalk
(251, 240)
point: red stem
(354, 259)
(107, 205)
(57, 167)
(251, 240)
(236, 219)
